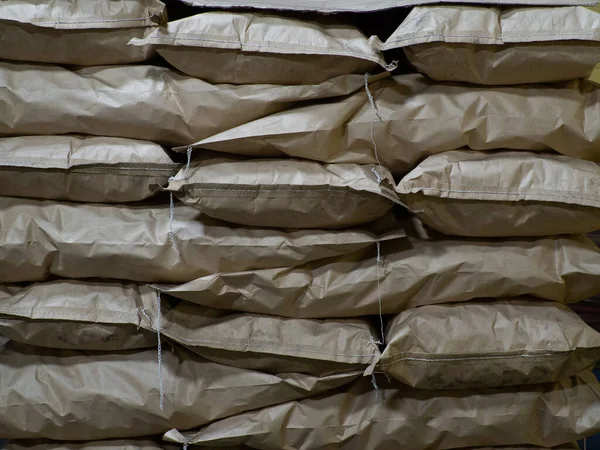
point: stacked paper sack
(334, 256)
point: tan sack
(80, 32)
(329, 6)
(115, 444)
(61, 394)
(108, 316)
(469, 193)
(141, 102)
(484, 45)
(40, 239)
(82, 169)
(421, 118)
(396, 416)
(246, 48)
(411, 272)
(488, 344)
(155, 443)
(78, 315)
(286, 193)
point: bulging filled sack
(82, 168)
(406, 274)
(77, 315)
(416, 118)
(81, 33)
(141, 102)
(110, 316)
(488, 344)
(486, 45)
(61, 394)
(40, 239)
(286, 193)
(470, 193)
(247, 48)
(397, 416)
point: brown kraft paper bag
(484, 45)
(417, 117)
(409, 273)
(488, 344)
(256, 48)
(41, 239)
(286, 193)
(141, 102)
(82, 168)
(469, 193)
(397, 416)
(110, 316)
(67, 395)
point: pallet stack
(263, 226)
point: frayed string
(379, 292)
(377, 175)
(181, 177)
(171, 232)
(584, 443)
(374, 383)
(143, 311)
(157, 326)
(380, 119)
(159, 348)
(185, 446)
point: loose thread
(374, 383)
(187, 167)
(143, 311)
(379, 292)
(380, 119)
(185, 446)
(584, 443)
(171, 232)
(181, 177)
(159, 347)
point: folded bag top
(504, 193)
(495, 46)
(247, 48)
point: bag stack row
(257, 228)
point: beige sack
(286, 193)
(412, 273)
(129, 444)
(146, 444)
(469, 193)
(41, 239)
(78, 315)
(108, 316)
(141, 102)
(486, 45)
(60, 394)
(421, 118)
(116, 444)
(246, 48)
(69, 15)
(80, 168)
(488, 344)
(81, 32)
(399, 417)
(329, 6)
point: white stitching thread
(510, 193)
(398, 358)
